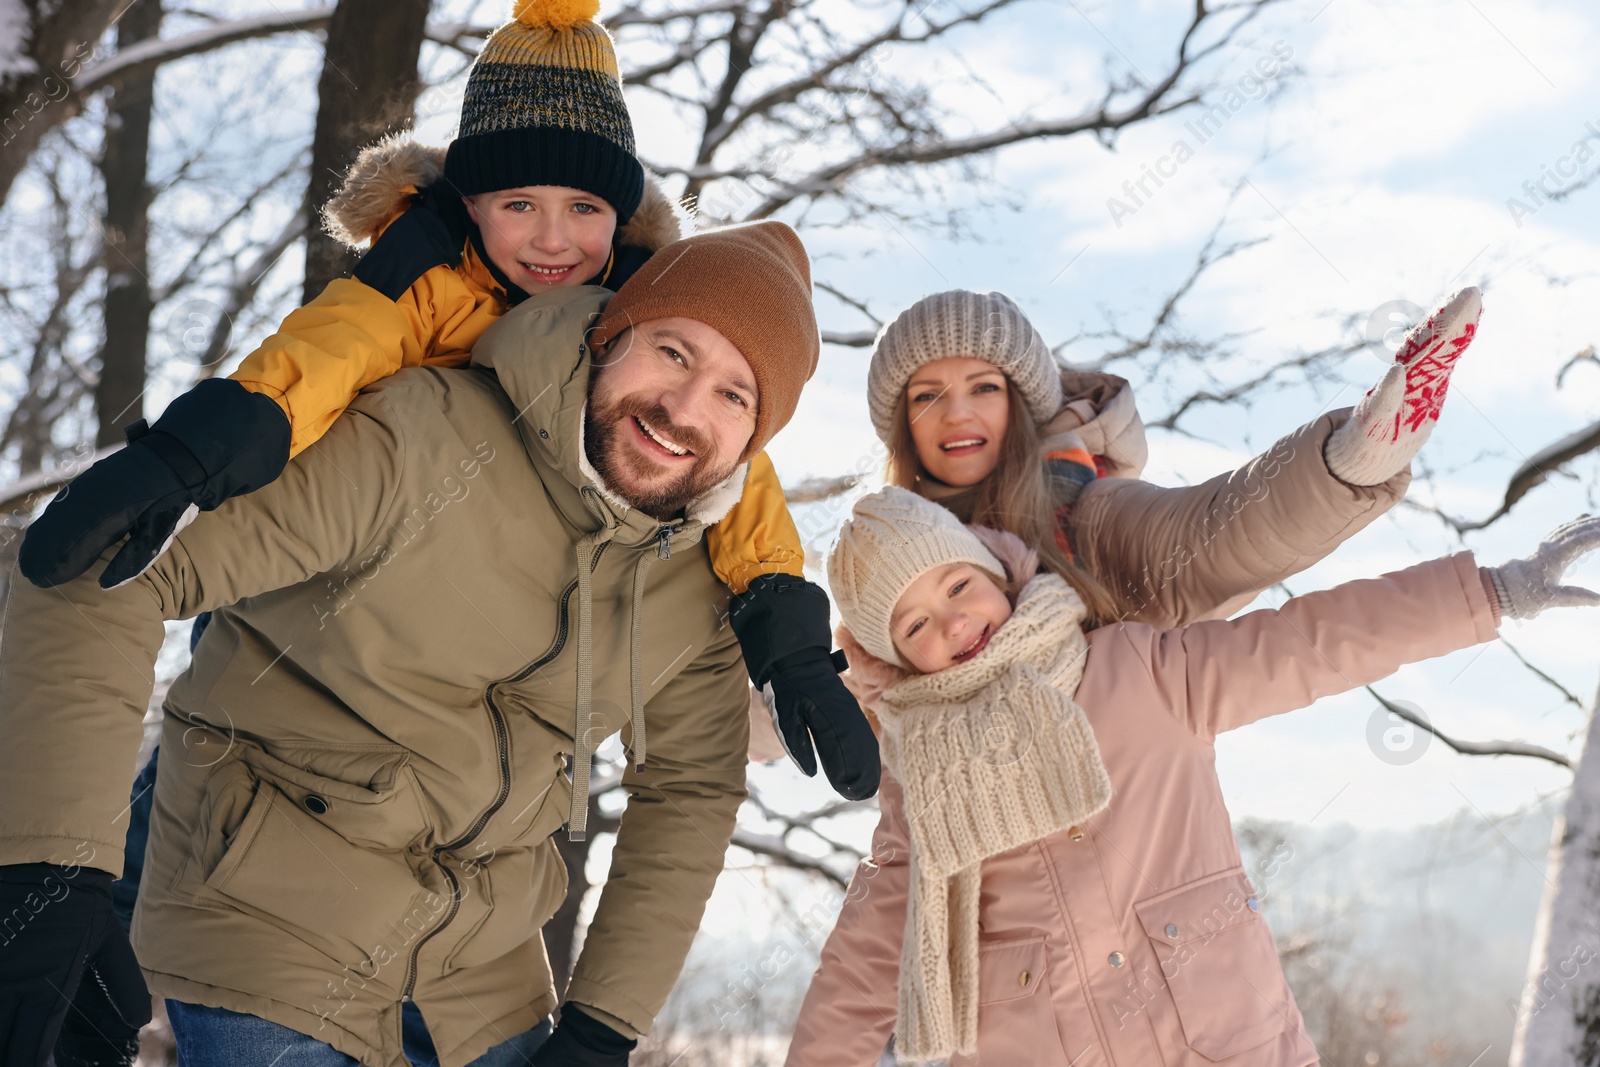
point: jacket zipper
(503, 748)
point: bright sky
(1381, 172)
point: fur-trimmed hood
(384, 174)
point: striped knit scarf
(993, 754)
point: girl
(1055, 879)
(968, 398)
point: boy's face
(959, 408)
(947, 616)
(672, 405)
(545, 236)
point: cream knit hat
(986, 326)
(893, 538)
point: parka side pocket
(283, 865)
(1016, 1016)
(1219, 963)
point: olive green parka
(366, 761)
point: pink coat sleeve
(1219, 676)
(849, 1010)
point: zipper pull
(664, 543)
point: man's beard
(623, 470)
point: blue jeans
(216, 1037)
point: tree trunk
(1558, 1018)
(368, 88)
(36, 93)
(124, 161)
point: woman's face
(958, 408)
(947, 616)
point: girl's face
(958, 408)
(947, 616)
(545, 236)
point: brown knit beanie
(750, 282)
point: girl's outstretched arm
(1218, 676)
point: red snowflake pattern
(1428, 359)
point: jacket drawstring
(582, 744)
(583, 724)
(635, 670)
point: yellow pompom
(556, 14)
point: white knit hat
(893, 538)
(986, 326)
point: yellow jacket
(356, 332)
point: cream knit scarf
(992, 754)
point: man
(473, 579)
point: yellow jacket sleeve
(328, 351)
(758, 536)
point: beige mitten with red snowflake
(1394, 419)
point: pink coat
(1136, 940)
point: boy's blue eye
(519, 205)
(585, 209)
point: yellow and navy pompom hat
(543, 106)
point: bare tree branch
(243, 291)
(1566, 694)
(148, 55)
(1585, 356)
(1531, 474)
(1104, 120)
(1472, 748)
(773, 847)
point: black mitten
(782, 625)
(581, 1040)
(67, 937)
(214, 442)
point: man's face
(672, 405)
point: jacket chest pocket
(1219, 963)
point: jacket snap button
(1172, 931)
(1024, 978)
(1076, 833)
(1118, 959)
(545, 434)
(315, 804)
(1255, 905)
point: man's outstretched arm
(77, 662)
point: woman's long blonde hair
(1014, 497)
